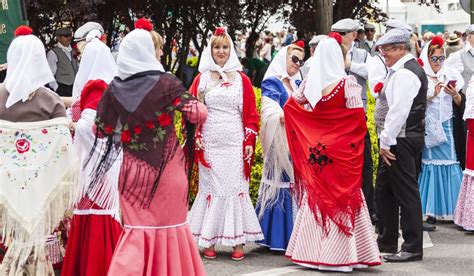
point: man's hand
(387, 156)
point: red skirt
(91, 244)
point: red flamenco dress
(95, 227)
(332, 230)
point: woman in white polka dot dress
(222, 212)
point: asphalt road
(447, 251)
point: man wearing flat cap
(356, 65)
(368, 44)
(463, 60)
(399, 117)
(63, 63)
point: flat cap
(397, 24)
(316, 39)
(346, 25)
(82, 31)
(393, 37)
(470, 29)
(369, 26)
(63, 32)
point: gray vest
(371, 50)
(66, 68)
(468, 64)
(360, 56)
(415, 123)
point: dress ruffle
(309, 246)
(150, 252)
(464, 215)
(226, 220)
(91, 244)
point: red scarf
(327, 146)
(250, 119)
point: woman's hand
(199, 143)
(453, 92)
(248, 152)
(72, 127)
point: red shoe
(210, 253)
(237, 256)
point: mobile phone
(452, 83)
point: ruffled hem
(91, 244)
(226, 220)
(335, 267)
(166, 251)
(464, 215)
(309, 244)
(439, 189)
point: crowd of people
(97, 133)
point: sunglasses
(297, 61)
(370, 31)
(437, 58)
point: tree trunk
(323, 16)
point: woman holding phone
(441, 169)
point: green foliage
(258, 157)
(192, 62)
(373, 132)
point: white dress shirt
(377, 72)
(454, 60)
(359, 68)
(402, 88)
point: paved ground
(448, 251)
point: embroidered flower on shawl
(219, 31)
(226, 84)
(44, 131)
(23, 30)
(138, 130)
(143, 24)
(164, 119)
(126, 136)
(420, 61)
(150, 125)
(336, 36)
(318, 156)
(108, 130)
(378, 87)
(22, 145)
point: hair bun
(144, 24)
(23, 30)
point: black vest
(415, 124)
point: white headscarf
(444, 72)
(327, 67)
(278, 68)
(96, 63)
(137, 54)
(28, 68)
(207, 63)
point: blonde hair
(217, 40)
(294, 47)
(157, 40)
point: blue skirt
(277, 222)
(440, 177)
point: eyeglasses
(437, 58)
(297, 61)
(384, 50)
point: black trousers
(397, 189)
(367, 175)
(64, 90)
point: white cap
(397, 24)
(82, 31)
(316, 39)
(470, 29)
(346, 25)
(394, 36)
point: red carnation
(336, 36)
(150, 125)
(437, 40)
(126, 137)
(138, 130)
(164, 120)
(108, 130)
(23, 30)
(219, 31)
(176, 101)
(378, 87)
(143, 24)
(299, 43)
(420, 61)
